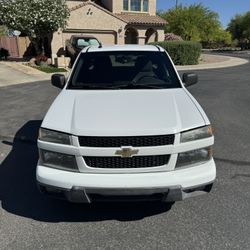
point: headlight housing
(197, 134)
(58, 160)
(54, 136)
(194, 157)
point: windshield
(123, 69)
(84, 42)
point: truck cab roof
(123, 48)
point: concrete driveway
(8, 76)
(220, 220)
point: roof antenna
(100, 46)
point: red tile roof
(142, 19)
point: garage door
(106, 38)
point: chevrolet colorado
(124, 127)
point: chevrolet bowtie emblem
(127, 152)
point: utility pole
(176, 4)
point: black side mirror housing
(189, 79)
(58, 80)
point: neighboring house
(112, 22)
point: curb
(229, 61)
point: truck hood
(124, 112)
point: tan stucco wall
(72, 4)
(91, 17)
(94, 21)
(152, 7)
(57, 44)
(90, 20)
(142, 33)
(161, 34)
(117, 6)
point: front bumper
(166, 186)
(83, 195)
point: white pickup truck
(124, 127)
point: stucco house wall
(109, 24)
(92, 21)
(152, 7)
(117, 6)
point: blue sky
(225, 8)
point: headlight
(53, 136)
(194, 157)
(58, 160)
(197, 134)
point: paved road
(220, 220)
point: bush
(49, 69)
(182, 52)
(4, 53)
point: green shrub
(182, 52)
(49, 69)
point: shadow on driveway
(19, 194)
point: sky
(225, 8)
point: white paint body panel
(188, 177)
(126, 113)
(123, 112)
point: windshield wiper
(139, 86)
(91, 86)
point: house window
(135, 5)
(145, 5)
(125, 5)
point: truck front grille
(134, 141)
(134, 162)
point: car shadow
(19, 194)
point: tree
(2, 30)
(223, 37)
(36, 18)
(239, 27)
(194, 22)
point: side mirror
(58, 80)
(189, 79)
